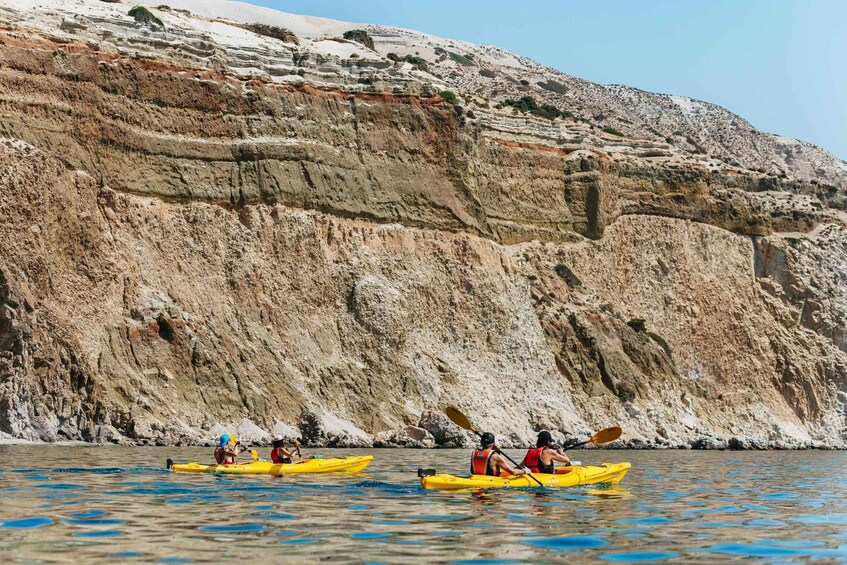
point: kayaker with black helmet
(280, 454)
(489, 461)
(540, 459)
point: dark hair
(486, 439)
(544, 438)
(279, 443)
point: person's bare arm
(501, 463)
(560, 457)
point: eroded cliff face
(185, 247)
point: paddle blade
(458, 418)
(605, 436)
(254, 454)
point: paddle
(297, 445)
(458, 418)
(603, 436)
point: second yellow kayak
(606, 473)
(331, 465)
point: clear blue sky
(780, 64)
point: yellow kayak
(331, 465)
(605, 473)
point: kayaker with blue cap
(220, 449)
(540, 459)
(489, 461)
(228, 449)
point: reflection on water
(110, 504)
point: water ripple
(568, 543)
(123, 510)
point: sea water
(61, 504)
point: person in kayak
(228, 449)
(280, 454)
(221, 448)
(541, 458)
(489, 461)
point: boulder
(248, 432)
(443, 432)
(708, 442)
(330, 431)
(407, 436)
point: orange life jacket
(480, 462)
(534, 462)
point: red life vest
(277, 458)
(533, 460)
(480, 462)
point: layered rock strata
(315, 243)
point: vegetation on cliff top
(359, 36)
(553, 86)
(411, 59)
(528, 104)
(449, 96)
(144, 16)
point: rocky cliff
(210, 224)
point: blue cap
(224, 439)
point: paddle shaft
(580, 444)
(512, 461)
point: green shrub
(464, 61)
(417, 61)
(637, 324)
(528, 104)
(487, 73)
(449, 96)
(612, 131)
(568, 275)
(553, 86)
(359, 36)
(143, 16)
(662, 343)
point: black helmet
(544, 438)
(486, 439)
